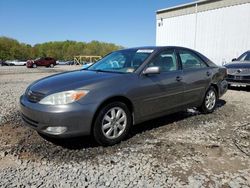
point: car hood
(70, 80)
(238, 64)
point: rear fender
(219, 80)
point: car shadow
(81, 142)
(168, 119)
(74, 143)
(161, 121)
(247, 89)
(220, 103)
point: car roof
(157, 47)
(208, 61)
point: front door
(164, 91)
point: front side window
(124, 61)
(166, 60)
(190, 60)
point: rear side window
(190, 60)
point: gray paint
(151, 95)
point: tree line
(11, 49)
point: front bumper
(75, 117)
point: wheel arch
(216, 88)
(119, 98)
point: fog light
(55, 130)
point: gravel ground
(185, 149)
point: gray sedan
(124, 88)
(238, 71)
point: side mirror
(151, 70)
(234, 59)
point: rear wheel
(210, 101)
(112, 124)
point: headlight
(64, 97)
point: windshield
(124, 61)
(244, 57)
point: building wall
(220, 34)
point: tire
(210, 101)
(118, 120)
(51, 65)
(34, 66)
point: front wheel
(112, 124)
(210, 101)
(34, 65)
(51, 65)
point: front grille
(238, 81)
(238, 71)
(230, 76)
(238, 77)
(34, 96)
(246, 77)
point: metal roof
(197, 6)
(183, 6)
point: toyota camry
(124, 88)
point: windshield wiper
(101, 70)
(109, 71)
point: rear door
(40, 62)
(164, 91)
(197, 75)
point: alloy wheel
(210, 100)
(114, 123)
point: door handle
(178, 78)
(208, 73)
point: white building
(220, 29)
